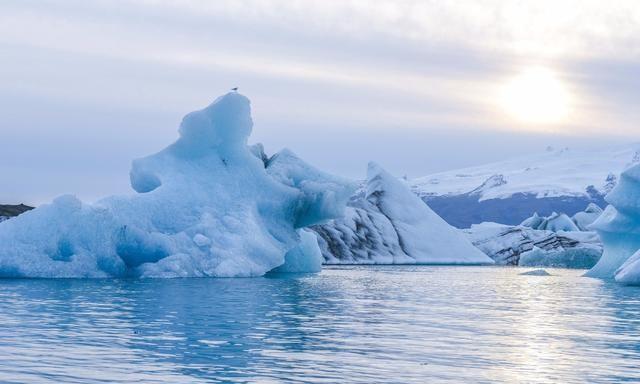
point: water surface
(347, 324)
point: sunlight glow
(536, 96)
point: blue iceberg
(207, 205)
(619, 229)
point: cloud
(316, 71)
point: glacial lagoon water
(347, 324)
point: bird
(234, 89)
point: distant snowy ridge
(385, 223)
(564, 172)
(509, 191)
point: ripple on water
(347, 324)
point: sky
(418, 86)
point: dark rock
(13, 210)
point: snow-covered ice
(206, 206)
(619, 228)
(388, 224)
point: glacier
(386, 223)
(619, 228)
(561, 180)
(207, 205)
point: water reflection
(393, 324)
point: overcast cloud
(89, 85)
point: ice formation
(619, 228)
(556, 222)
(304, 258)
(387, 224)
(206, 206)
(536, 272)
(524, 246)
(629, 272)
(584, 219)
(584, 256)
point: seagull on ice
(235, 89)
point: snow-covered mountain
(508, 192)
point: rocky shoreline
(8, 211)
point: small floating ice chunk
(536, 272)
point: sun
(536, 96)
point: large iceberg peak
(225, 123)
(214, 137)
(380, 183)
(206, 206)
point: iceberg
(524, 246)
(558, 222)
(619, 228)
(207, 205)
(535, 272)
(306, 257)
(555, 222)
(386, 223)
(561, 222)
(583, 257)
(533, 222)
(629, 272)
(587, 217)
